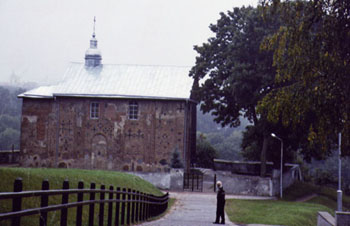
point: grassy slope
(33, 177)
(286, 211)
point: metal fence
(193, 182)
(124, 206)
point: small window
(94, 110)
(133, 110)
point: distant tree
(7, 121)
(176, 162)
(8, 138)
(205, 153)
(236, 73)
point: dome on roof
(93, 54)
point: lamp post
(339, 192)
(281, 174)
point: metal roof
(119, 81)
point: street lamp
(281, 178)
(339, 192)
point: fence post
(146, 206)
(128, 209)
(110, 206)
(142, 207)
(167, 201)
(17, 202)
(80, 208)
(123, 207)
(102, 207)
(64, 211)
(133, 207)
(43, 203)
(137, 217)
(117, 207)
(153, 210)
(92, 206)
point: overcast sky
(40, 37)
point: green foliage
(311, 54)
(176, 162)
(231, 74)
(7, 121)
(9, 103)
(10, 114)
(8, 138)
(225, 140)
(237, 74)
(229, 146)
(325, 172)
(205, 153)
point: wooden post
(117, 208)
(64, 211)
(102, 207)
(80, 208)
(92, 205)
(129, 208)
(133, 206)
(110, 207)
(142, 207)
(17, 202)
(137, 212)
(123, 207)
(146, 210)
(43, 203)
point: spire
(93, 34)
(93, 55)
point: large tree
(312, 57)
(232, 74)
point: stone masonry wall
(113, 141)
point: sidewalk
(193, 209)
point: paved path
(192, 209)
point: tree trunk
(263, 156)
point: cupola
(93, 54)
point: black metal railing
(129, 206)
(193, 181)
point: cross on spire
(93, 34)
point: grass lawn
(273, 212)
(33, 177)
(286, 211)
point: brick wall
(111, 141)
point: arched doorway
(99, 152)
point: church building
(114, 117)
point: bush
(175, 160)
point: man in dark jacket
(220, 213)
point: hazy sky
(40, 37)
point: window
(133, 110)
(94, 110)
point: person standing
(220, 206)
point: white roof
(120, 81)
